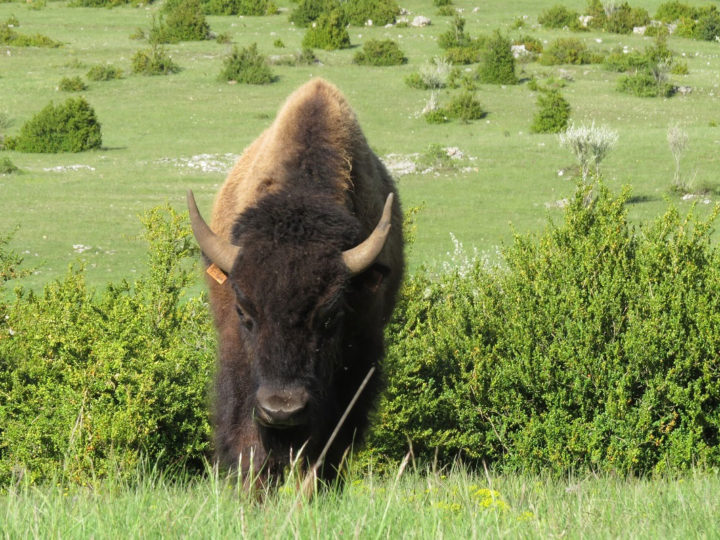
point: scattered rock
(683, 90)
(420, 21)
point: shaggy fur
(308, 188)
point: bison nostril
(281, 407)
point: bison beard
(310, 286)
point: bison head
(299, 286)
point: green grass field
(454, 504)
(71, 207)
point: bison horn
(359, 258)
(220, 252)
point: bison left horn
(359, 258)
(219, 251)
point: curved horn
(220, 252)
(360, 257)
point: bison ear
(371, 279)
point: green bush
(669, 12)
(440, 3)
(247, 66)
(459, 47)
(596, 10)
(498, 63)
(153, 61)
(104, 72)
(380, 53)
(559, 16)
(553, 112)
(239, 7)
(620, 61)
(308, 11)
(645, 83)
(624, 18)
(181, 20)
(380, 12)
(7, 166)
(465, 107)
(327, 33)
(592, 347)
(93, 382)
(69, 127)
(708, 27)
(107, 3)
(566, 51)
(8, 36)
(72, 84)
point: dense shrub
(181, 20)
(308, 11)
(498, 63)
(566, 51)
(328, 33)
(380, 53)
(646, 83)
(247, 66)
(107, 3)
(708, 27)
(465, 107)
(69, 127)
(623, 18)
(380, 12)
(433, 74)
(104, 72)
(153, 61)
(7, 166)
(239, 7)
(559, 16)
(592, 347)
(90, 382)
(672, 11)
(596, 11)
(459, 47)
(72, 84)
(553, 112)
(9, 36)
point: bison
(307, 234)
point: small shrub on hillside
(465, 107)
(440, 3)
(5, 120)
(107, 3)
(308, 11)
(446, 11)
(104, 72)
(432, 112)
(433, 74)
(239, 7)
(708, 27)
(553, 112)
(677, 139)
(153, 61)
(566, 51)
(669, 12)
(181, 20)
(93, 382)
(588, 349)
(8, 36)
(623, 18)
(596, 11)
(69, 127)
(498, 62)
(380, 53)
(72, 84)
(328, 33)
(589, 144)
(459, 47)
(380, 12)
(559, 16)
(463, 55)
(679, 68)
(650, 82)
(247, 66)
(620, 61)
(7, 166)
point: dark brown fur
(308, 188)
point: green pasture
(447, 504)
(71, 207)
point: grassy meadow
(163, 135)
(158, 131)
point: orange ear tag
(218, 275)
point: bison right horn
(359, 258)
(219, 251)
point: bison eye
(245, 319)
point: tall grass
(418, 504)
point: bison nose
(281, 407)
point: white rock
(420, 20)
